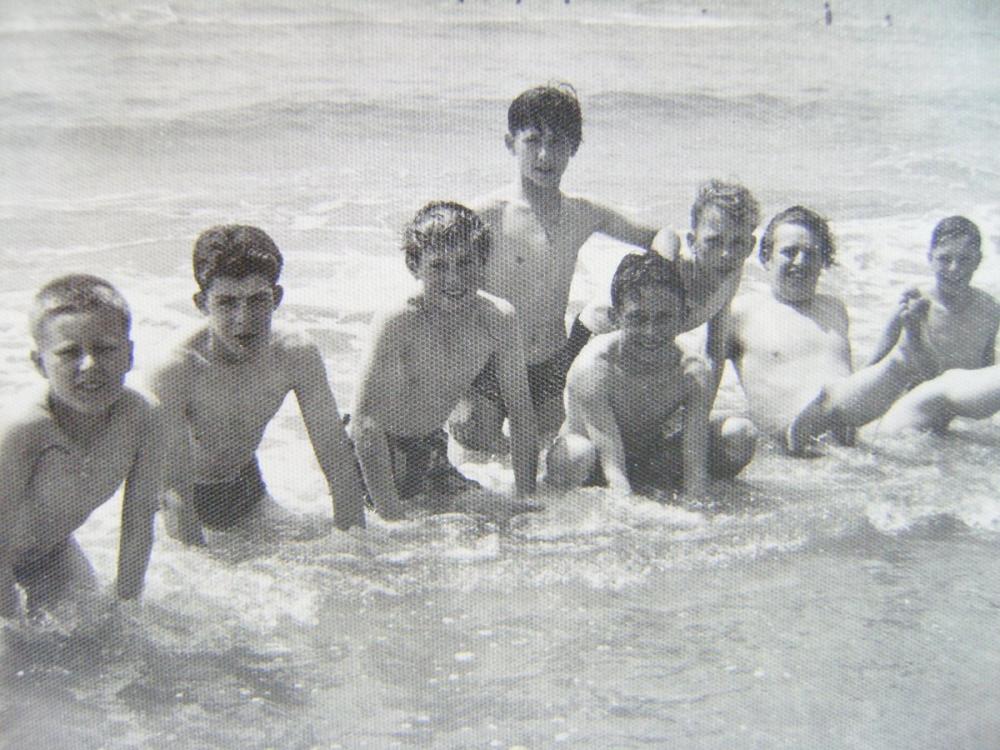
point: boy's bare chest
(528, 245)
(958, 338)
(442, 353)
(236, 399)
(789, 336)
(643, 403)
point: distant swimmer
(887, 22)
(827, 14)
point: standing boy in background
(637, 403)
(537, 233)
(223, 386)
(425, 354)
(70, 449)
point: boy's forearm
(8, 594)
(347, 490)
(376, 468)
(524, 452)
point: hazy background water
(845, 602)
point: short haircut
(237, 251)
(76, 293)
(731, 198)
(803, 217)
(441, 225)
(648, 269)
(555, 106)
(956, 228)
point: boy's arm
(15, 463)
(695, 441)
(890, 334)
(718, 347)
(172, 388)
(587, 398)
(139, 507)
(328, 437)
(512, 372)
(989, 354)
(369, 435)
(613, 224)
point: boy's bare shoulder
(494, 309)
(28, 425)
(592, 365)
(493, 203)
(987, 303)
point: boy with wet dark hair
(637, 403)
(425, 354)
(537, 233)
(68, 450)
(223, 386)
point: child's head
(80, 325)
(648, 301)
(955, 251)
(723, 218)
(237, 268)
(544, 129)
(446, 246)
(797, 245)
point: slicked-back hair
(76, 293)
(236, 251)
(441, 225)
(640, 270)
(956, 228)
(555, 106)
(731, 198)
(806, 218)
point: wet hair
(237, 251)
(441, 225)
(803, 217)
(648, 269)
(956, 228)
(76, 293)
(731, 198)
(555, 106)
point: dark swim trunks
(546, 379)
(35, 567)
(659, 464)
(420, 465)
(220, 505)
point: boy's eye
(68, 352)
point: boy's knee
(476, 424)
(570, 461)
(737, 438)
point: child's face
(450, 276)
(542, 155)
(720, 242)
(796, 263)
(649, 318)
(85, 357)
(954, 261)
(239, 312)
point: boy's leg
(868, 393)
(732, 442)
(476, 422)
(570, 462)
(974, 394)
(59, 575)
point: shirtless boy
(723, 219)
(791, 348)
(69, 449)
(537, 233)
(637, 404)
(223, 385)
(425, 354)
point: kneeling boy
(223, 386)
(425, 354)
(70, 449)
(637, 405)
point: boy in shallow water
(425, 354)
(66, 452)
(223, 385)
(537, 233)
(637, 403)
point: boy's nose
(87, 361)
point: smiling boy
(637, 404)
(69, 450)
(537, 233)
(425, 353)
(223, 386)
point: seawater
(844, 602)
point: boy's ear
(36, 359)
(690, 238)
(199, 301)
(278, 292)
(508, 141)
(411, 264)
